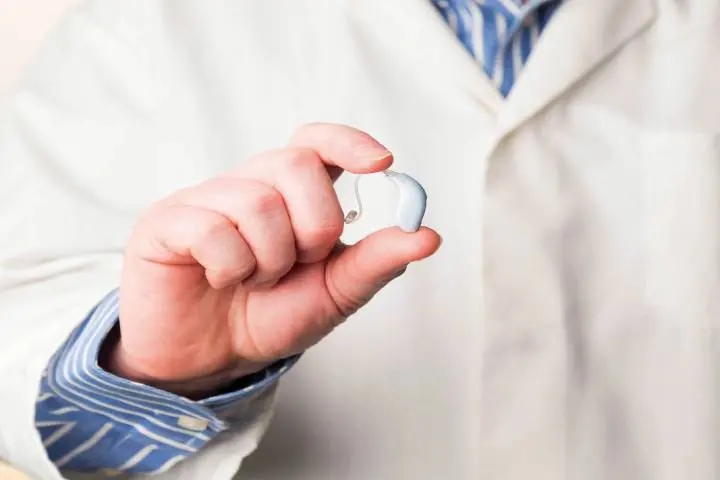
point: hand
(225, 277)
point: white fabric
(568, 327)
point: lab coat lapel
(414, 28)
(581, 35)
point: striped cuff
(91, 420)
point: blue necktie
(499, 34)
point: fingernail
(372, 153)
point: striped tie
(499, 34)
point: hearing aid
(411, 204)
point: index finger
(343, 147)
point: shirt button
(192, 423)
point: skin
(225, 277)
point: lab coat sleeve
(87, 106)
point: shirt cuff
(90, 419)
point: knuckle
(160, 208)
(281, 263)
(264, 199)
(326, 234)
(212, 227)
(344, 304)
(300, 158)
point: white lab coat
(568, 327)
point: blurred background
(23, 25)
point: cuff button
(192, 423)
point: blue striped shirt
(91, 420)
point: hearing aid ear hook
(411, 205)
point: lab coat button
(192, 423)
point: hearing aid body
(411, 204)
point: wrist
(116, 360)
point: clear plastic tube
(355, 214)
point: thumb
(358, 272)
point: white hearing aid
(411, 205)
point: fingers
(238, 230)
(312, 204)
(358, 272)
(304, 175)
(276, 210)
(304, 172)
(344, 147)
(258, 213)
(186, 235)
